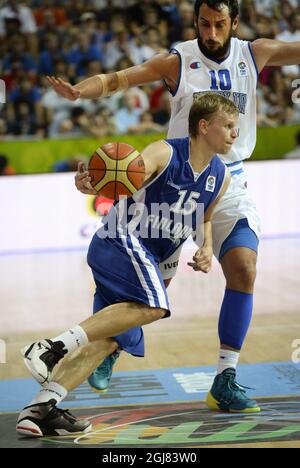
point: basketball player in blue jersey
(184, 182)
(216, 61)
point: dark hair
(205, 107)
(233, 6)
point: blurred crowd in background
(77, 39)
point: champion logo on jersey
(210, 184)
(195, 65)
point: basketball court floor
(158, 401)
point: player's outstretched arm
(160, 67)
(202, 260)
(269, 52)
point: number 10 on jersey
(220, 80)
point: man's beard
(217, 54)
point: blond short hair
(205, 107)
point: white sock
(73, 339)
(228, 359)
(50, 391)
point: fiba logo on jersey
(2, 92)
(296, 353)
(2, 352)
(243, 69)
(296, 93)
(211, 184)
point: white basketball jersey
(235, 78)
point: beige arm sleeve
(103, 85)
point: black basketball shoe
(40, 358)
(45, 419)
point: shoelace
(231, 385)
(65, 413)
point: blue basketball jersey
(164, 213)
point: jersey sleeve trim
(175, 51)
(253, 58)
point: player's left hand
(83, 180)
(202, 260)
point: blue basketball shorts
(124, 271)
(241, 236)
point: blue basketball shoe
(100, 379)
(227, 395)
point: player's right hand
(64, 89)
(83, 180)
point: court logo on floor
(189, 425)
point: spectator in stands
(17, 54)
(24, 103)
(56, 12)
(93, 29)
(291, 34)
(49, 28)
(5, 168)
(69, 165)
(51, 55)
(266, 7)
(22, 14)
(146, 125)
(139, 51)
(128, 116)
(25, 123)
(3, 129)
(162, 112)
(74, 10)
(116, 42)
(83, 53)
(155, 39)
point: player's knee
(244, 274)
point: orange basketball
(117, 169)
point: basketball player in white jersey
(215, 61)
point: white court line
(76, 441)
